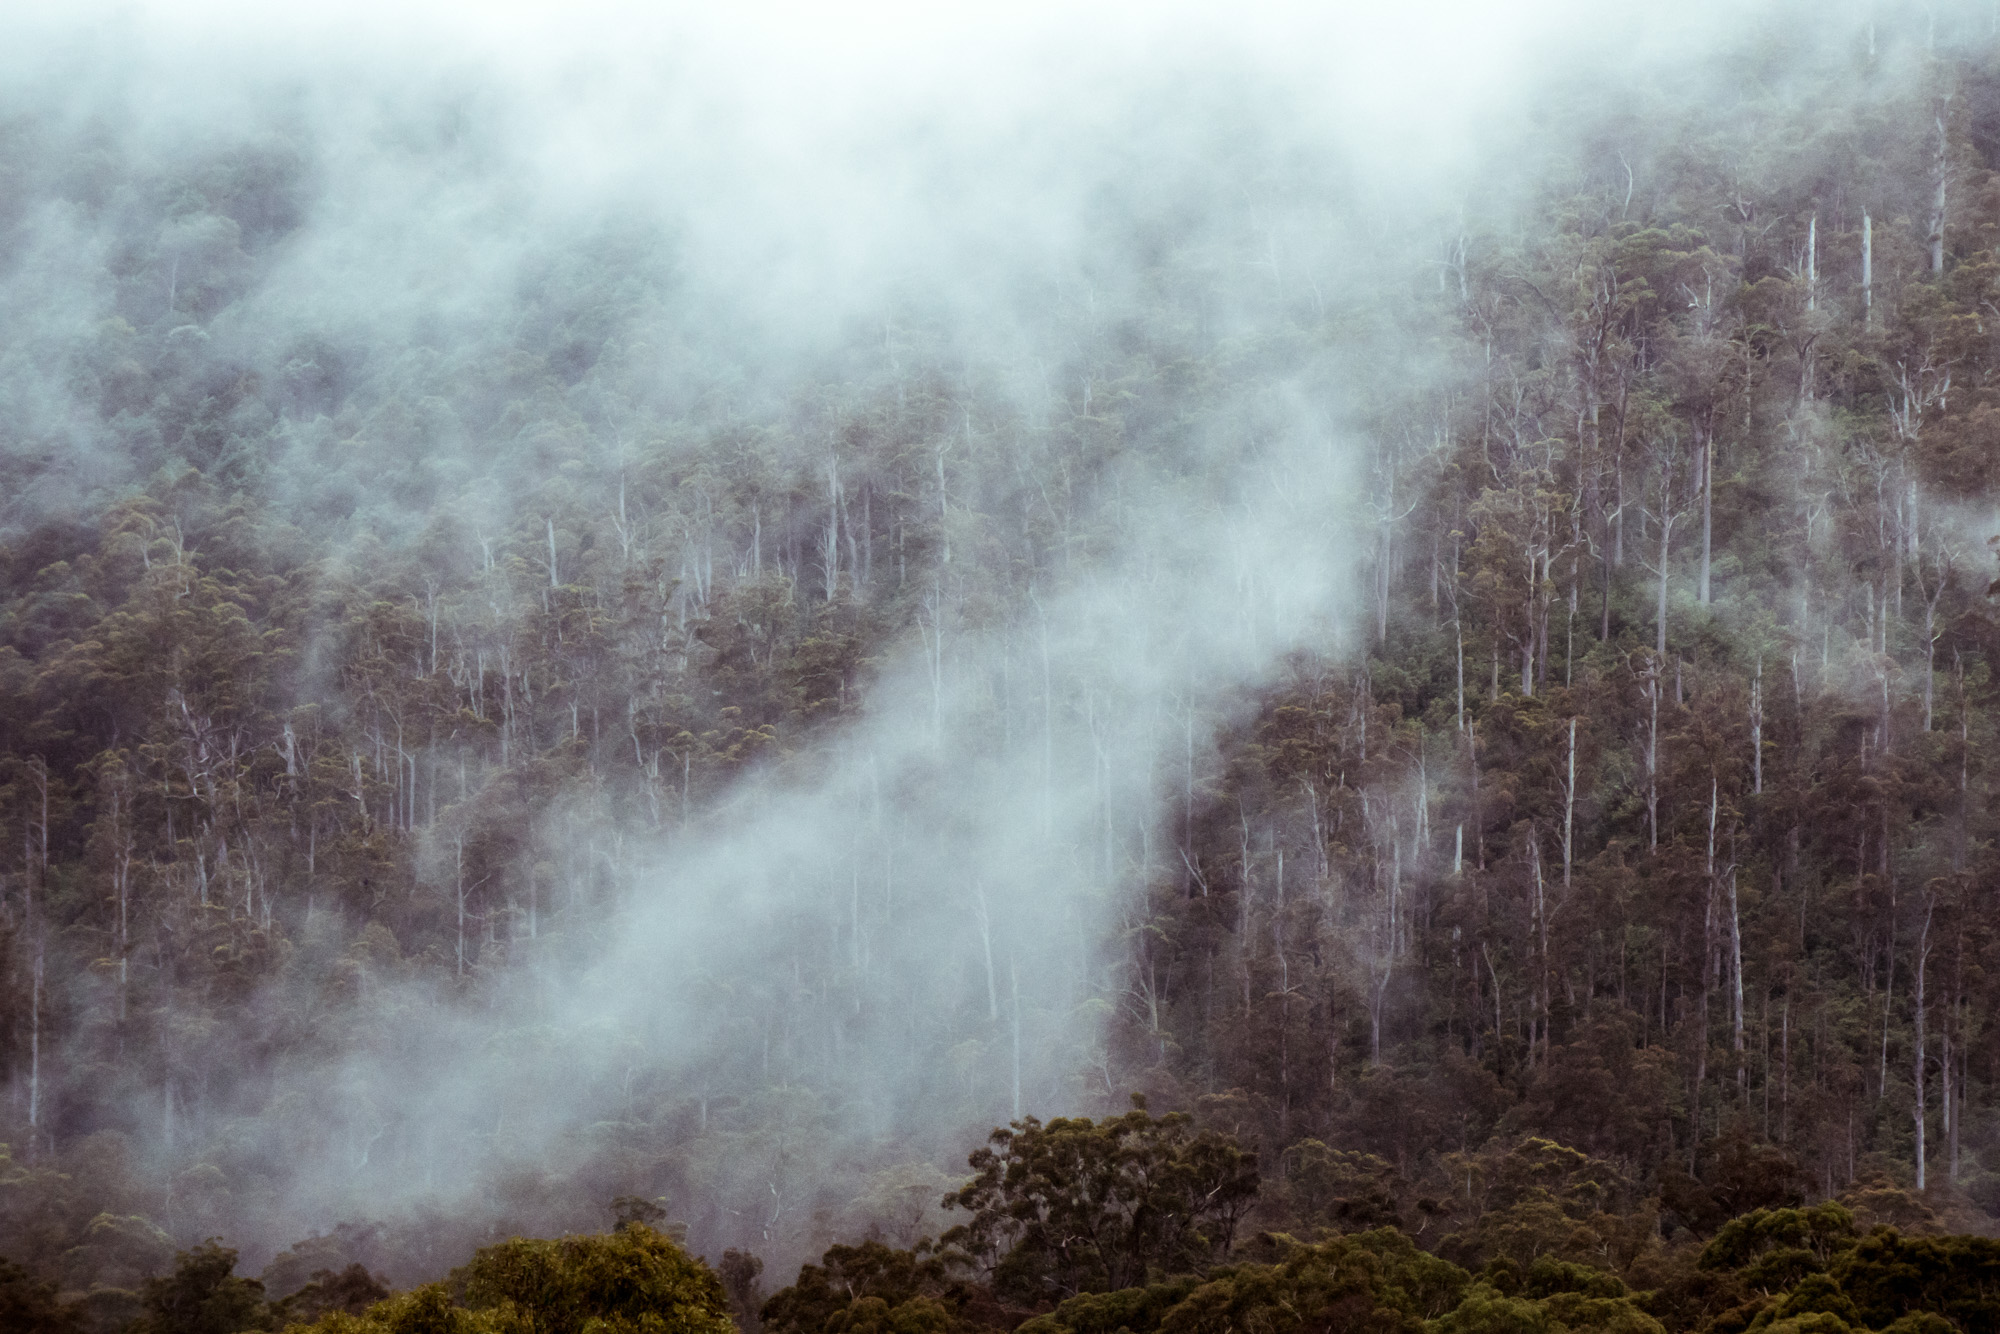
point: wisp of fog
(997, 238)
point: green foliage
(351, 1290)
(29, 1305)
(1816, 1303)
(203, 1295)
(1777, 1242)
(631, 1281)
(1081, 1206)
(868, 1287)
(1353, 1192)
(1549, 1294)
(1374, 1280)
(425, 1310)
(1537, 1201)
(1888, 1276)
(1137, 1310)
(738, 1273)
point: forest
(1111, 713)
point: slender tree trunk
(1917, 1058)
(1660, 629)
(1941, 169)
(1707, 963)
(1382, 581)
(1812, 263)
(1618, 518)
(1707, 511)
(1867, 269)
(1736, 968)
(1947, 1110)
(1569, 807)
(1888, 992)
(1653, 757)
(1458, 627)
(460, 844)
(1545, 601)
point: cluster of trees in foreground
(1131, 1224)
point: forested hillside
(1479, 695)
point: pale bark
(1941, 170)
(1812, 263)
(1917, 1059)
(1867, 269)
(1888, 992)
(1478, 824)
(1569, 807)
(460, 895)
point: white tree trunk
(1569, 807)
(1917, 1059)
(1867, 269)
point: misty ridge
(697, 613)
(755, 698)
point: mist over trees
(552, 655)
